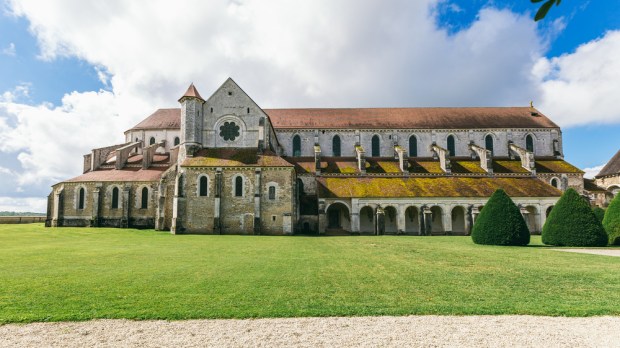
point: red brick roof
(191, 92)
(612, 167)
(161, 119)
(125, 174)
(424, 118)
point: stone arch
(296, 145)
(489, 142)
(459, 225)
(375, 146)
(239, 185)
(614, 189)
(530, 143)
(437, 226)
(413, 146)
(144, 197)
(80, 197)
(338, 217)
(555, 182)
(272, 190)
(391, 219)
(151, 140)
(221, 129)
(548, 211)
(451, 145)
(367, 219)
(336, 145)
(115, 197)
(202, 185)
(177, 141)
(412, 220)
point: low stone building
(225, 166)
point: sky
(74, 74)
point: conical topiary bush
(599, 213)
(573, 223)
(611, 221)
(500, 223)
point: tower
(191, 122)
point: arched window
(451, 146)
(203, 190)
(296, 146)
(81, 198)
(376, 146)
(145, 198)
(336, 145)
(529, 143)
(115, 198)
(272, 193)
(488, 142)
(238, 186)
(413, 146)
(554, 182)
(152, 141)
(177, 141)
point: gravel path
(606, 252)
(422, 331)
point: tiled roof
(410, 118)
(192, 92)
(369, 187)
(125, 174)
(612, 167)
(161, 119)
(232, 157)
(591, 186)
(556, 166)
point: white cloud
(9, 50)
(591, 172)
(582, 87)
(30, 204)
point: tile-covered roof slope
(369, 187)
(612, 167)
(414, 118)
(125, 174)
(234, 157)
(161, 119)
(192, 92)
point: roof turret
(191, 92)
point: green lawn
(82, 273)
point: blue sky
(74, 75)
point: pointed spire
(191, 92)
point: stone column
(125, 217)
(217, 223)
(380, 221)
(428, 220)
(257, 201)
(95, 216)
(57, 217)
(446, 218)
(400, 219)
(322, 218)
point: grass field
(81, 273)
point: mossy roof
(556, 166)
(234, 157)
(125, 174)
(376, 187)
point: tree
(611, 222)
(573, 223)
(542, 11)
(500, 223)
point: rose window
(229, 131)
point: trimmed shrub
(573, 223)
(500, 223)
(599, 213)
(611, 222)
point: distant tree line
(19, 213)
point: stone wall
(543, 140)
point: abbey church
(224, 165)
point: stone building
(606, 184)
(226, 166)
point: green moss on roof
(432, 167)
(467, 167)
(556, 166)
(234, 157)
(508, 166)
(369, 187)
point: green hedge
(599, 213)
(611, 222)
(573, 223)
(500, 223)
